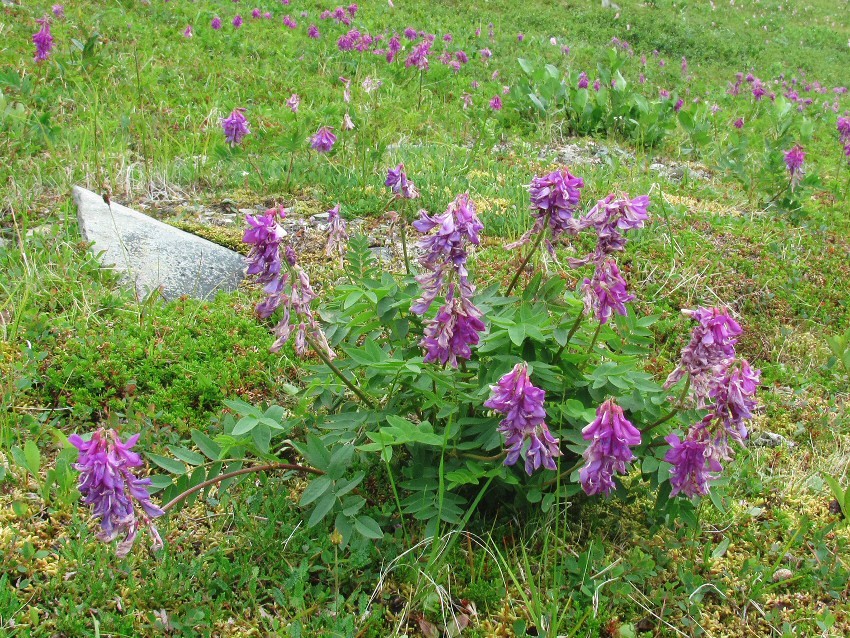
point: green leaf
(315, 452)
(210, 448)
(262, 436)
(32, 456)
(526, 66)
(340, 460)
(190, 457)
(242, 408)
(721, 548)
(315, 489)
(323, 506)
(368, 527)
(167, 464)
(245, 425)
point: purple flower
(324, 139)
(187, 33)
(710, 351)
(694, 465)
(58, 11)
(43, 40)
(554, 199)
(496, 103)
(347, 123)
(597, 85)
(352, 10)
(522, 404)
(216, 23)
(520, 37)
(289, 22)
(794, 161)
(734, 399)
(610, 217)
(256, 13)
(739, 123)
(444, 252)
(612, 436)
(679, 104)
(486, 54)
(419, 56)
(398, 182)
(606, 293)
(293, 102)
(337, 233)
(237, 21)
(410, 33)
(462, 57)
(108, 484)
(684, 65)
(583, 82)
(456, 327)
(235, 127)
(286, 287)
(267, 15)
(313, 32)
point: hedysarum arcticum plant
(421, 360)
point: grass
(136, 113)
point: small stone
(770, 439)
(154, 256)
(782, 574)
(319, 218)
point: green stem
(671, 414)
(327, 361)
(403, 225)
(558, 476)
(595, 337)
(525, 261)
(397, 500)
(245, 470)
(570, 335)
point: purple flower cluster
(710, 351)
(794, 159)
(43, 40)
(456, 327)
(522, 404)
(694, 465)
(419, 55)
(398, 182)
(725, 386)
(458, 322)
(554, 199)
(606, 292)
(293, 102)
(612, 436)
(337, 233)
(324, 139)
(610, 218)
(289, 288)
(108, 484)
(235, 127)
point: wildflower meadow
(539, 324)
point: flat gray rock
(153, 255)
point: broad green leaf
(32, 456)
(210, 448)
(184, 454)
(315, 489)
(245, 425)
(167, 464)
(340, 460)
(368, 527)
(323, 506)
